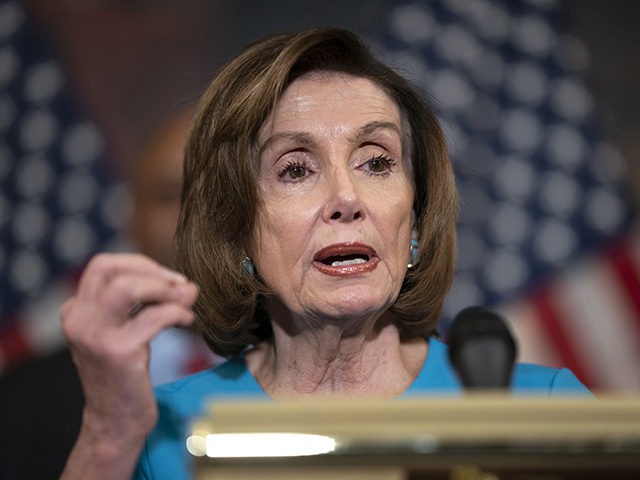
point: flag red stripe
(13, 344)
(547, 312)
(627, 273)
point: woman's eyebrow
(371, 127)
(303, 138)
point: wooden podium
(475, 437)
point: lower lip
(347, 270)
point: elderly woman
(318, 222)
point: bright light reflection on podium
(235, 445)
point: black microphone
(481, 349)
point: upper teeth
(338, 263)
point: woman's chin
(354, 305)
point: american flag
(58, 201)
(546, 235)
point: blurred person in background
(156, 184)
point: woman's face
(334, 228)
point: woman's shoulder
(181, 401)
(230, 378)
(532, 378)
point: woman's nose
(343, 203)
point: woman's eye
(294, 171)
(379, 165)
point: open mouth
(345, 259)
(340, 260)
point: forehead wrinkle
(304, 103)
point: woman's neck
(326, 362)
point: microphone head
(481, 349)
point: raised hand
(122, 302)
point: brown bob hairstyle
(220, 196)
